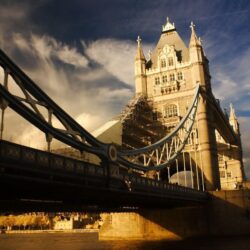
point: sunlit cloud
(72, 91)
(93, 82)
(116, 56)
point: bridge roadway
(32, 179)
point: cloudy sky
(81, 52)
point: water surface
(89, 241)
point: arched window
(163, 63)
(164, 79)
(172, 77)
(170, 111)
(179, 76)
(157, 80)
(170, 61)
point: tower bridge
(171, 145)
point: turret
(200, 71)
(233, 120)
(140, 70)
(195, 48)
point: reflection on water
(89, 241)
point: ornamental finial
(231, 107)
(192, 25)
(168, 26)
(149, 54)
(138, 41)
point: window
(170, 61)
(164, 79)
(229, 174)
(163, 63)
(171, 111)
(157, 80)
(172, 77)
(222, 174)
(179, 76)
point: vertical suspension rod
(168, 174)
(185, 173)
(191, 169)
(177, 170)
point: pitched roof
(170, 37)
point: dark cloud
(86, 48)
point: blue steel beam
(148, 149)
(93, 145)
(41, 96)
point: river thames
(89, 241)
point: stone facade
(167, 81)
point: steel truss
(154, 157)
(30, 106)
(158, 155)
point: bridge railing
(138, 183)
(21, 157)
(14, 153)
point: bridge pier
(154, 224)
(227, 213)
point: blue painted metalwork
(77, 137)
(190, 116)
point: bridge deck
(31, 174)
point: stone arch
(170, 110)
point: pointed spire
(138, 41)
(168, 26)
(194, 40)
(139, 52)
(233, 119)
(149, 54)
(232, 112)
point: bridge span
(28, 174)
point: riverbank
(51, 231)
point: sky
(81, 52)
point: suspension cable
(191, 169)
(184, 164)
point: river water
(89, 241)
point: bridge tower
(167, 80)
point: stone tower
(167, 81)
(164, 89)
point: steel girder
(155, 156)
